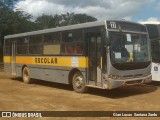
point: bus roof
(151, 23)
(57, 29)
(64, 28)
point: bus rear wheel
(26, 75)
(78, 83)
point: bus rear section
(154, 34)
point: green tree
(71, 18)
(12, 22)
(48, 21)
(45, 21)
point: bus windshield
(129, 47)
(154, 34)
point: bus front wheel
(26, 75)
(78, 83)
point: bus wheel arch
(77, 80)
(26, 74)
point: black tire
(78, 83)
(26, 75)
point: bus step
(93, 86)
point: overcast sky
(135, 10)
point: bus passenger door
(13, 59)
(94, 59)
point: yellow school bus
(103, 54)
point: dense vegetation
(12, 22)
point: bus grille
(133, 76)
(134, 82)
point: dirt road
(46, 96)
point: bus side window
(72, 42)
(22, 46)
(51, 44)
(78, 49)
(69, 49)
(35, 45)
(7, 47)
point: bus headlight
(148, 73)
(114, 77)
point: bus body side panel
(48, 73)
(7, 64)
(51, 68)
(155, 71)
(7, 68)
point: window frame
(58, 42)
(35, 44)
(22, 45)
(73, 43)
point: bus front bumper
(119, 83)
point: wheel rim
(79, 81)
